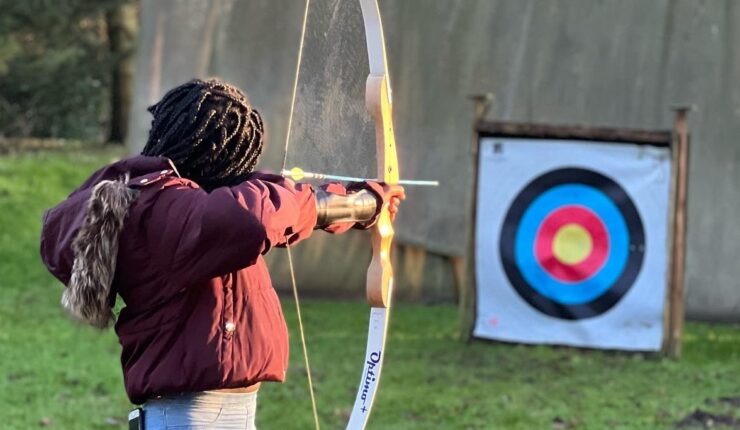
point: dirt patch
(707, 420)
(731, 401)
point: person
(179, 234)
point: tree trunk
(122, 28)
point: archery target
(571, 242)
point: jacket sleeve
(209, 234)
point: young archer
(179, 233)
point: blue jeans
(201, 411)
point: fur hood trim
(95, 248)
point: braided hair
(209, 131)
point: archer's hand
(393, 195)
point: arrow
(298, 174)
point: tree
(56, 68)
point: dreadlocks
(209, 130)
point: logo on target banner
(571, 242)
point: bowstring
(287, 246)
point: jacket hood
(79, 238)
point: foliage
(55, 68)
(59, 375)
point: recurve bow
(379, 281)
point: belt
(238, 390)
(250, 389)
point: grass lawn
(55, 374)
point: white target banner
(571, 242)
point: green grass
(56, 374)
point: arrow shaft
(322, 176)
(420, 182)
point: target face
(572, 243)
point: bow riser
(380, 272)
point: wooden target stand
(676, 139)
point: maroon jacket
(200, 311)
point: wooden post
(457, 265)
(467, 300)
(677, 263)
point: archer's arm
(200, 235)
(204, 235)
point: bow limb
(379, 282)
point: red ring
(573, 214)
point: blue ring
(596, 285)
